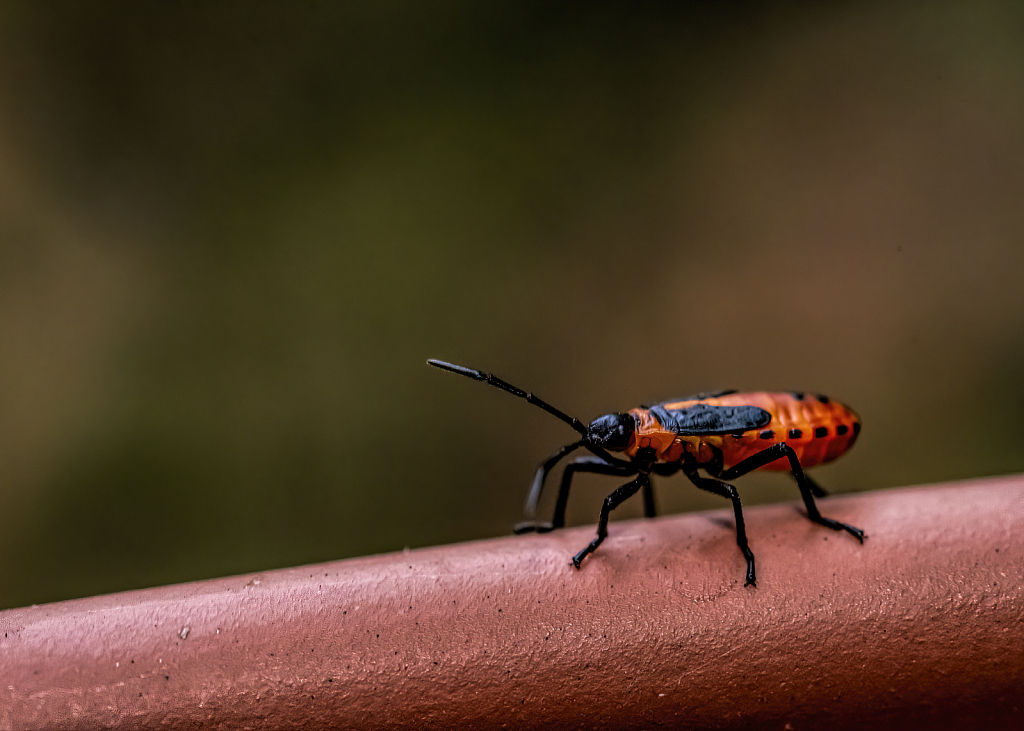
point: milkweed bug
(725, 434)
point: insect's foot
(751, 581)
(854, 531)
(836, 525)
(578, 558)
(532, 527)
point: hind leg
(807, 488)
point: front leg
(610, 503)
(589, 463)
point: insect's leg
(720, 487)
(817, 489)
(610, 503)
(542, 472)
(716, 468)
(660, 468)
(647, 493)
(666, 469)
(778, 451)
(717, 464)
(580, 464)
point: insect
(725, 434)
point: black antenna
(542, 472)
(498, 383)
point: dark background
(231, 233)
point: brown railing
(920, 627)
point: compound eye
(611, 432)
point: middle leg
(720, 487)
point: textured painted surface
(921, 627)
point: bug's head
(611, 432)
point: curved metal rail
(922, 626)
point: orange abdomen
(817, 428)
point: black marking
(705, 419)
(821, 431)
(737, 435)
(823, 399)
(767, 434)
(795, 433)
(856, 428)
(798, 395)
(842, 429)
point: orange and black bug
(725, 434)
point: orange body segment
(817, 428)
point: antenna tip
(468, 372)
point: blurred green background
(231, 233)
